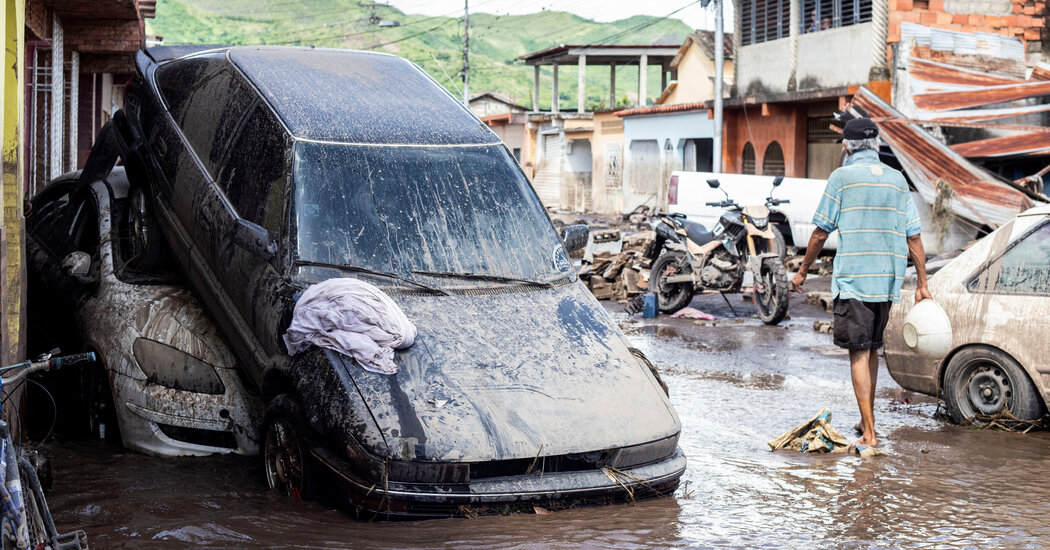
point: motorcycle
(692, 259)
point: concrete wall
(695, 77)
(834, 57)
(483, 107)
(607, 168)
(12, 254)
(826, 59)
(654, 146)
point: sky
(599, 10)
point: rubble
(623, 275)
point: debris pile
(619, 275)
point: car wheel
(284, 454)
(986, 381)
(147, 244)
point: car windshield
(417, 210)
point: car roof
(358, 97)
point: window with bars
(819, 15)
(818, 130)
(764, 20)
(747, 159)
(773, 161)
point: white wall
(647, 168)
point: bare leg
(873, 370)
(864, 387)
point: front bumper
(498, 494)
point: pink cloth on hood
(351, 317)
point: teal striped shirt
(870, 206)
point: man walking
(870, 206)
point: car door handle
(162, 148)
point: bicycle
(27, 522)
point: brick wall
(787, 128)
(1023, 19)
(103, 35)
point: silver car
(175, 386)
(997, 295)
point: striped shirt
(870, 206)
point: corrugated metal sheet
(979, 197)
(1021, 144)
(971, 80)
(948, 100)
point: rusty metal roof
(1021, 144)
(978, 196)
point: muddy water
(736, 384)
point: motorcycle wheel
(771, 291)
(671, 297)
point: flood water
(736, 385)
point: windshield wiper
(482, 277)
(366, 271)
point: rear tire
(771, 291)
(671, 297)
(985, 380)
(148, 250)
(285, 460)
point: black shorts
(859, 325)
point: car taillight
(672, 190)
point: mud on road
(735, 383)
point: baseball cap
(859, 128)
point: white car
(997, 295)
(175, 385)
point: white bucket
(927, 330)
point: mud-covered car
(174, 385)
(269, 169)
(997, 295)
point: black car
(266, 170)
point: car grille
(197, 436)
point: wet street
(736, 384)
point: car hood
(512, 373)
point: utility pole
(716, 150)
(466, 52)
(372, 20)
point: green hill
(435, 43)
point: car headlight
(173, 368)
(760, 223)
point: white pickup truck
(687, 193)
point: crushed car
(174, 384)
(996, 294)
(263, 171)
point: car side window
(255, 176)
(177, 80)
(65, 224)
(212, 114)
(1023, 269)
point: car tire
(148, 251)
(985, 380)
(284, 452)
(671, 297)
